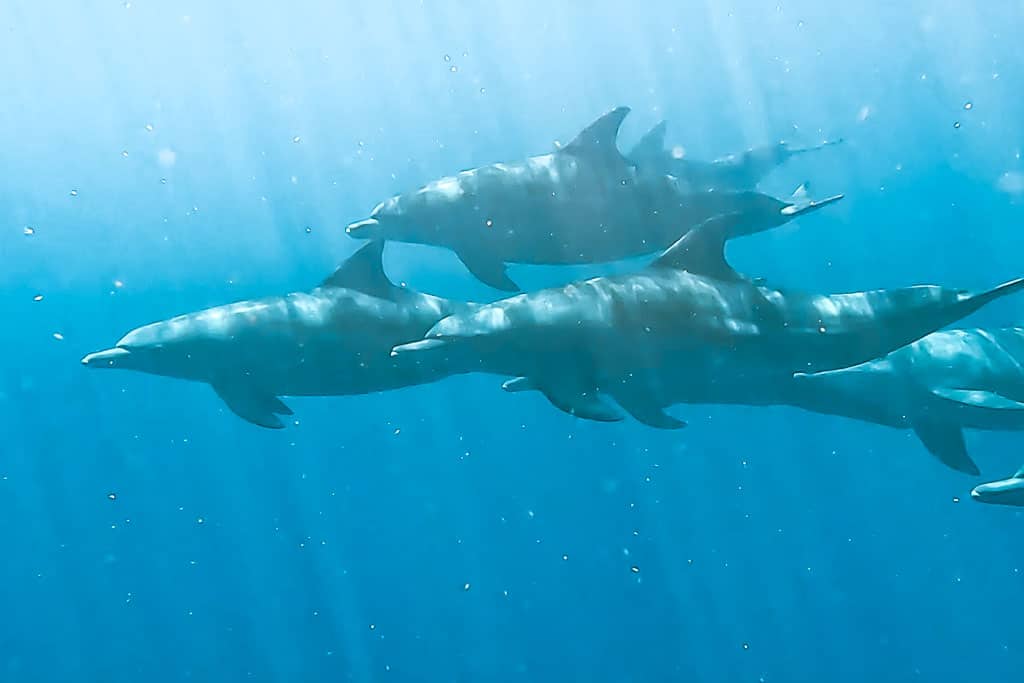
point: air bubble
(74, 193)
(465, 587)
(447, 58)
(112, 496)
(124, 153)
(635, 569)
(149, 127)
(28, 231)
(453, 68)
(58, 336)
(308, 230)
(956, 124)
(296, 139)
(37, 297)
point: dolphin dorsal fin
(651, 145)
(598, 139)
(1020, 473)
(363, 271)
(701, 251)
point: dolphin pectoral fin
(489, 270)
(647, 412)
(978, 399)
(586, 405)
(945, 441)
(253, 406)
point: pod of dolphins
(686, 329)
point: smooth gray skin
(584, 203)
(732, 173)
(689, 319)
(334, 340)
(1005, 492)
(938, 386)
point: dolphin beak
(105, 359)
(363, 229)
(808, 207)
(418, 347)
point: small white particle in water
(635, 569)
(956, 124)
(124, 153)
(746, 646)
(112, 496)
(447, 58)
(864, 113)
(200, 520)
(373, 627)
(28, 231)
(956, 499)
(398, 430)
(489, 223)
(483, 91)
(74, 193)
(822, 329)
(118, 284)
(465, 587)
(166, 157)
(453, 68)
(529, 513)
(37, 297)
(565, 557)
(678, 152)
(58, 336)
(296, 139)
(163, 181)
(149, 127)
(308, 230)
(968, 105)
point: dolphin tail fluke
(945, 441)
(252, 405)
(977, 301)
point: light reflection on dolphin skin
(1005, 492)
(334, 340)
(731, 173)
(584, 203)
(938, 386)
(689, 318)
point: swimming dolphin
(937, 386)
(583, 203)
(1005, 492)
(334, 340)
(735, 172)
(688, 314)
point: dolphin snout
(107, 358)
(364, 229)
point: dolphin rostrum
(937, 386)
(1004, 492)
(734, 172)
(333, 340)
(689, 316)
(583, 203)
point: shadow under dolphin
(331, 341)
(583, 203)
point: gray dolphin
(583, 203)
(333, 340)
(937, 386)
(689, 314)
(1004, 492)
(734, 172)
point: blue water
(172, 156)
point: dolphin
(688, 314)
(582, 203)
(1004, 492)
(937, 386)
(333, 340)
(734, 172)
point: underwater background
(159, 158)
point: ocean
(160, 158)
